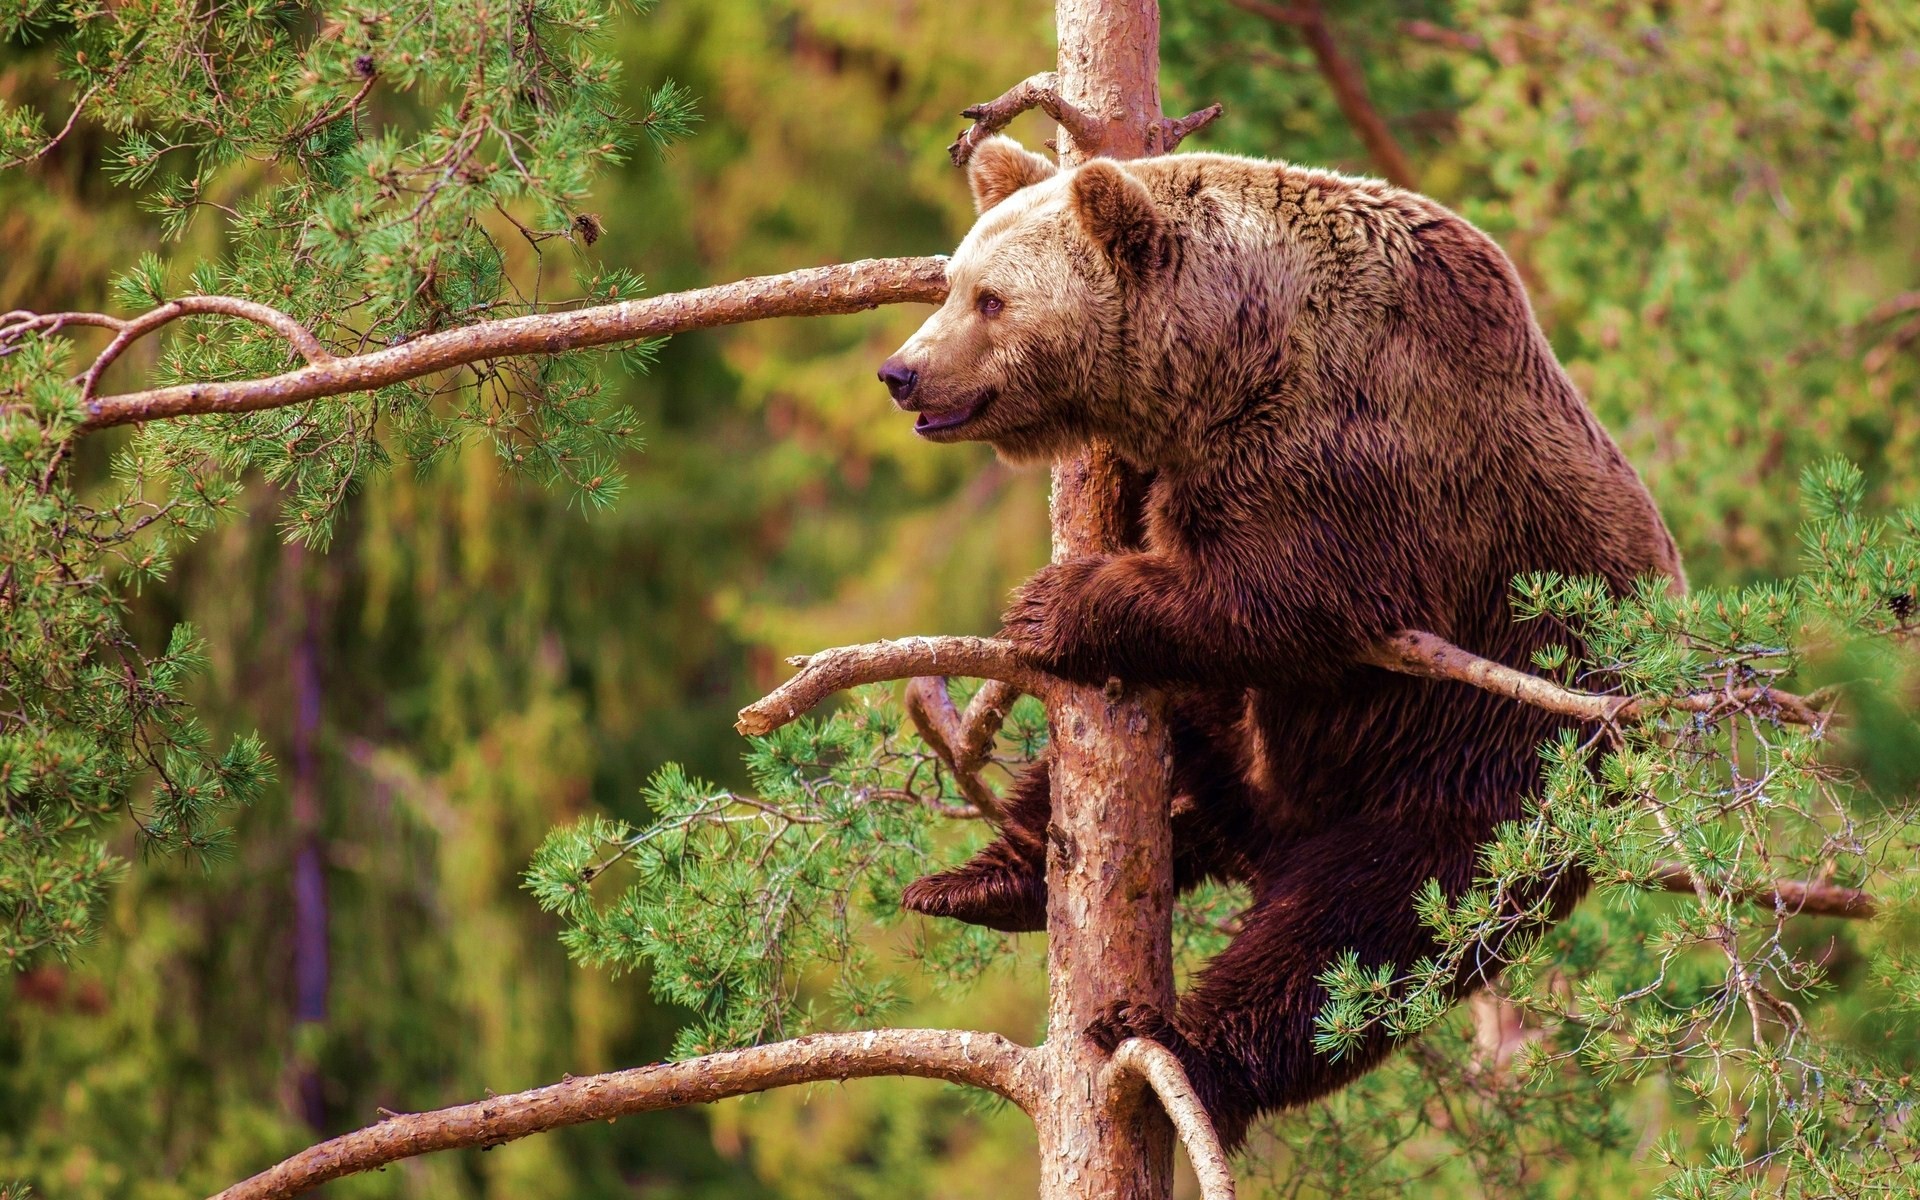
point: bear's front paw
(1125, 1019)
(1047, 618)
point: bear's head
(1026, 354)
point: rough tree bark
(1109, 848)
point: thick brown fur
(1353, 426)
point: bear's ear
(1000, 167)
(1118, 214)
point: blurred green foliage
(1714, 206)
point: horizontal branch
(1787, 896)
(816, 291)
(983, 1060)
(830, 671)
(1162, 1072)
(1412, 652)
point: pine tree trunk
(1109, 862)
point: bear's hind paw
(995, 896)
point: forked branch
(961, 740)
(1040, 91)
(19, 325)
(830, 671)
(1161, 1071)
(983, 1060)
(1088, 132)
(816, 291)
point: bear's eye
(989, 305)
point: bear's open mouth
(951, 418)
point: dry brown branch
(816, 291)
(952, 737)
(1161, 1071)
(1166, 134)
(1040, 91)
(1349, 84)
(1787, 896)
(983, 1060)
(830, 671)
(1411, 652)
(1440, 35)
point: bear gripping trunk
(1109, 856)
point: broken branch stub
(1041, 91)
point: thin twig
(79, 106)
(830, 671)
(817, 291)
(983, 1060)
(1040, 91)
(1160, 1070)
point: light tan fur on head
(1000, 167)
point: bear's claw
(1125, 1019)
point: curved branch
(130, 331)
(835, 670)
(1161, 1071)
(1040, 91)
(1413, 652)
(816, 291)
(983, 1060)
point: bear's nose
(899, 379)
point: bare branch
(1040, 91)
(830, 671)
(983, 1060)
(1156, 1065)
(981, 723)
(1440, 35)
(1349, 84)
(1165, 135)
(816, 291)
(1788, 896)
(1412, 652)
(940, 726)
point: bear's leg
(1005, 885)
(1245, 1030)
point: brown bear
(1352, 425)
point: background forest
(1716, 206)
